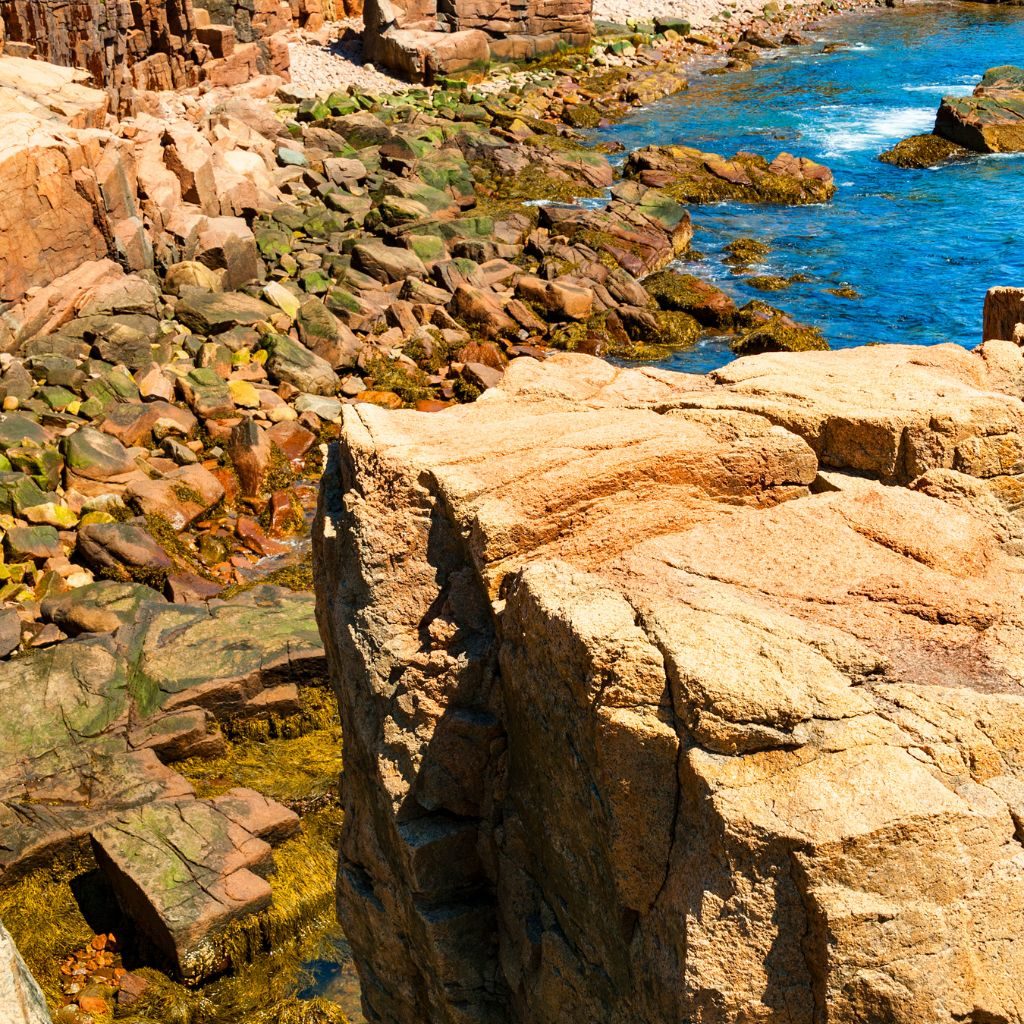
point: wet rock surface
(755, 727)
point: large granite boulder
(651, 715)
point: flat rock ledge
(686, 698)
(184, 871)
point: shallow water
(921, 247)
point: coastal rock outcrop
(423, 38)
(691, 176)
(991, 120)
(131, 48)
(662, 702)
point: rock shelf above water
(989, 121)
(685, 698)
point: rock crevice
(655, 710)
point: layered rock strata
(426, 38)
(684, 698)
(156, 46)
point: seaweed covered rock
(924, 151)
(689, 294)
(759, 749)
(770, 330)
(691, 176)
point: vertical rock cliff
(655, 712)
(123, 46)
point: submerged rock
(707, 725)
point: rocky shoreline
(194, 299)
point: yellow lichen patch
(300, 769)
(42, 913)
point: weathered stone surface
(184, 871)
(990, 121)
(639, 728)
(21, 999)
(1004, 314)
(97, 715)
(292, 362)
(895, 412)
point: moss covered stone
(409, 383)
(769, 282)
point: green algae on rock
(687, 293)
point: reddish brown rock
(183, 872)
(250, 451)
(407, 35)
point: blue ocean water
(921, 247)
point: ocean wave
(865, 128)
(961, 89)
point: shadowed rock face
(660, 706)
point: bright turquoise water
(921, 247)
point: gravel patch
(699, 13)
(333, 59)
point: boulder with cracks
(684, 698)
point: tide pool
(921, 247)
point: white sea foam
(861, 128)
(942, 90)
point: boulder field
(675, 698)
